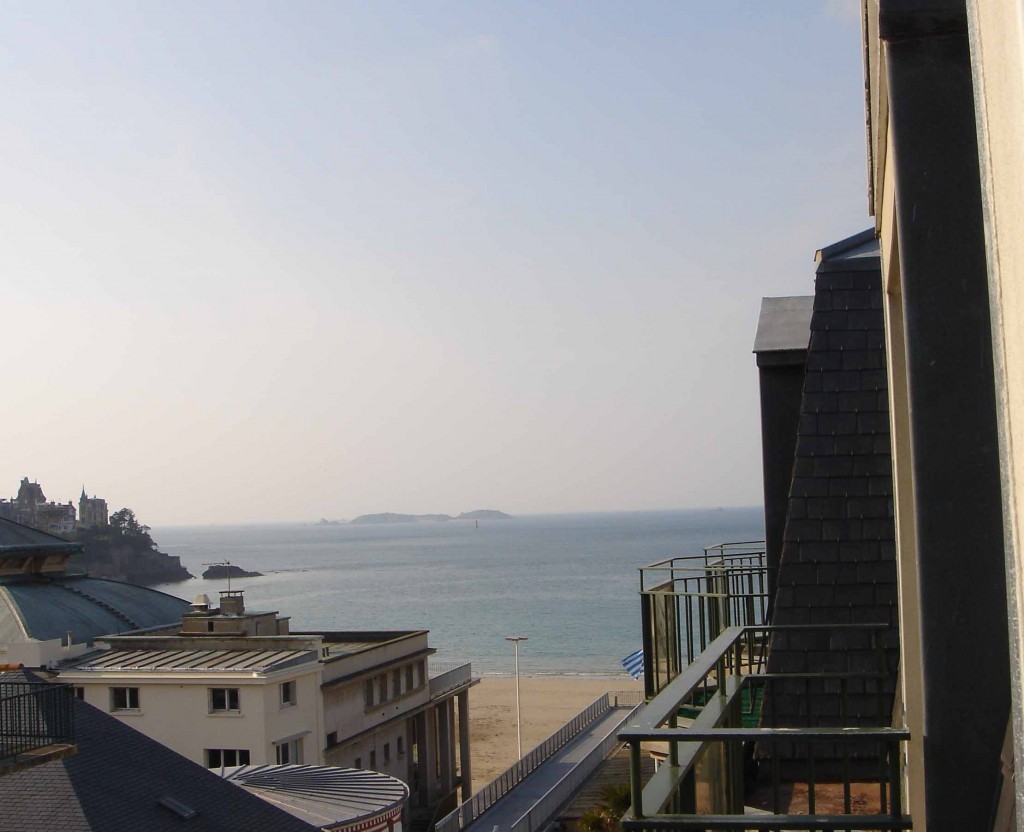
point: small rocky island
(222, 571)
(391, 517)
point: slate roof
(16, 539)
(116, 781)
(45, 607)
(784, 324)
(838, 563)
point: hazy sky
(291, 260)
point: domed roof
(344, 795)
(44, 607)
(40, 601)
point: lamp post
(519, 719)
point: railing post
(635, 780)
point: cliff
(126, 557)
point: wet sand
(548, 702)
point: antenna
(226, 563)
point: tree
(605, 817)
(123, 523)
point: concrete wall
(997, 58)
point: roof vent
(201, 603)
(182, 810)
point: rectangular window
(124, 699)
(421, 674)
(358, 763)
(79, 692)
(226, 757)
(401, 747)
(387, 753)
(368, 693)
(289, 753)
(373, 759)
(408, 677)
(396, 682)
(288, 693)
(382, 683)
(223, 700)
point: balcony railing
(36, 722)
(736, 757)
(447, 676)
(687, 602)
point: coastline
(548, 702)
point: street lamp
(519, 719)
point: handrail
(468, 811)
(716, 685)
(567, 785)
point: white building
(231, 687)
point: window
(421, 673)
(382, 683)
(289, 753)
(79, 692)
(396, 682)
(124, 699)
(332, 738)
(373, 759)
(387, 753)
(226, 757)
(288, 693)
(408, 677)
(358, 763)
(368, 693)
(401, 747)
(223, 700)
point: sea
(568, 582)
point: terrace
(36, 724)
(758, 726)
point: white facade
(222, 696)
(214, 717)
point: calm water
(567, 582)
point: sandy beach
(547, 703)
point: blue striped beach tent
(634, 663)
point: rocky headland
(124, 551)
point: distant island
(391, 517)
(221, 571)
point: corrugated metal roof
(323, 795)
(179, 661)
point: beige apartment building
(233, 687)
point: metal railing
(686, 602)
(544, 809)
(501, 785)
(703, 783)
(446, 676)
(34, 715)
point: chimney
(232, 602)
